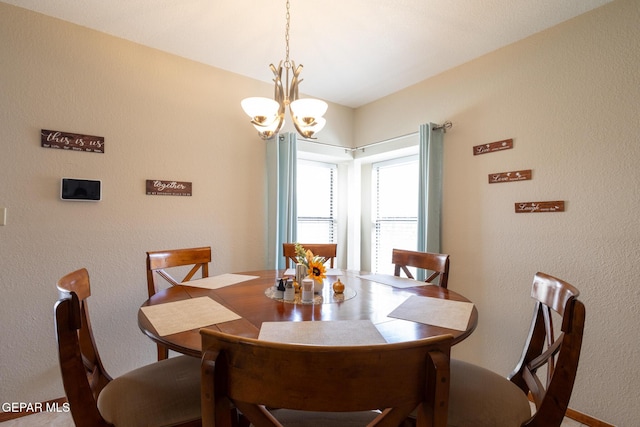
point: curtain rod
(444, 127)
(384, 141)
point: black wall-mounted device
(87, 190)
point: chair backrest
(159, 261)
(437, 263)
(325, 250)
(83, 375)
(559, 354)
(252, 374)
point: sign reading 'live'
(522, 175)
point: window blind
(316, 193)
(395, 210)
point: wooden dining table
(251, 299)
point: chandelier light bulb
(269, 131)
(308, 107)
(261, 110)
(317, 125)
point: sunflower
(317, 270)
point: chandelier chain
(287, 63)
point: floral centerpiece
(315, 264)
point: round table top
(372, 301)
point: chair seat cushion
(291, 418)
(164, 393)
(479, 397)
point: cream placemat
(435, 311)
(180, 316)
(331, 332)
(395, 281)
(220, 281)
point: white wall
(570, 99)
(162, 117)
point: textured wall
(568, 96)
(162, 117)
(570, 99)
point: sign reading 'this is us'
(71, 141)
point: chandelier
(267, 115)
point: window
(316, 193)
(394, 210)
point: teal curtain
(430, 190)
(282, 170)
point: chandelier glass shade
(267, 115)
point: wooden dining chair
(326, 250)
(481, 398)
(323, 385)
(438, 264)
(158, 262)
(164, 393)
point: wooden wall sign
(492, 147)
(156, 187)
(71, 141)
(531, 207)
(522, 175)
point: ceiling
(353, 51)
